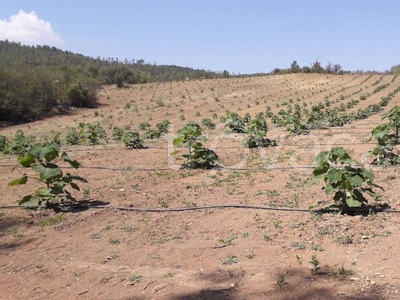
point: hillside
(165, 233)
(36, 82)
(14, 54)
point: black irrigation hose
(180, 209)
(231, 147)
(217, 168)
(169, 169)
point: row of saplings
(350, 183)
(301, 120)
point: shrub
(256, 131)
(234, 123)
(117, 133)
(132, 140)
(160, 103)
(80, 96)
(198, 157)
(394, 122)
(387, 136)
(349, 184)
(208, 123)
(3, 142)
(19, 144)
(163, 126)
(144, 126)
(72, 137)
(295, 125)
(247, 118)
(87, 134)
(55, 138)
(152, 133)
(41, 159)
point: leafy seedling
(198, 157)
(316, 269)
(349, 184)
(132, 140)
(41, 158)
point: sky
(248, 36)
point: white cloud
(28, 29)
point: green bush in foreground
(198, 157)
(41, 159)
(349, 184)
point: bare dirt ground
(229, 253)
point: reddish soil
(229, 253)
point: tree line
(315, 67)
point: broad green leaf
(18, 181)
(339, 152)
(48, 171)
(46, 151)
(352, 202)
(334, 175)
(328, 189)
(380, 131)
(368, 175)
(28, 200)
(27, 160)
(44, 192)
(321, 159)
(377, 151)
(356, 180)
(321, 169)
(69, 160)
(178, 142)
(60, 184)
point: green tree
(316, 67)
(294, 67)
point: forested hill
(35, 80)
(44, 56)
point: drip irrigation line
(169, 169)
(217, 168)
(230, 147)
(266, 168)
(179, 209)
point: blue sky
(239, 36)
